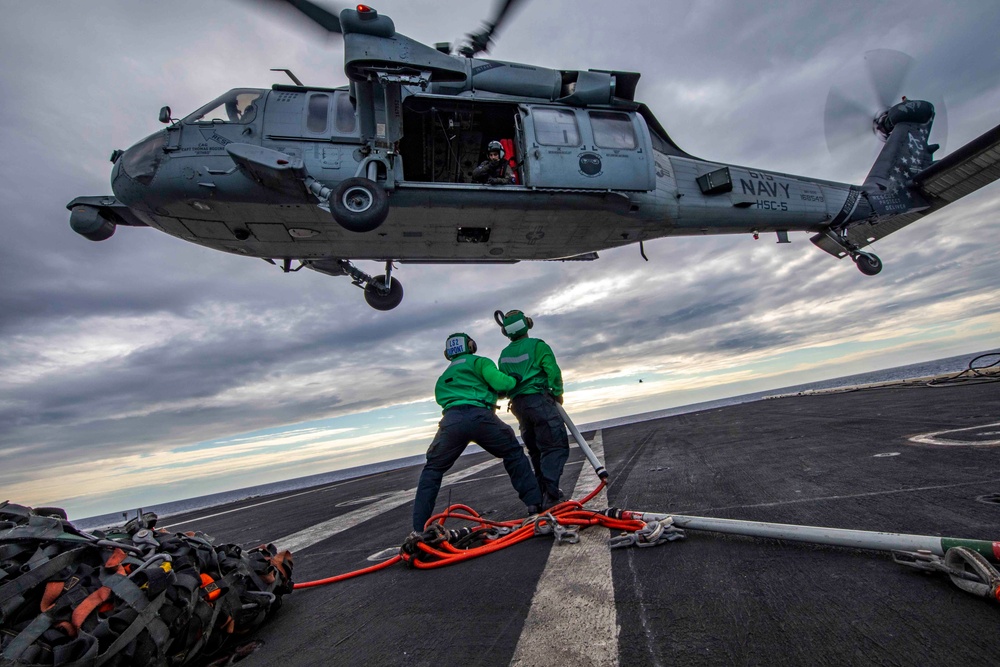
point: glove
(517, 378)
(559, 399)
(493, 180)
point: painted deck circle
(985, 435)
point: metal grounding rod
(584, 447)
(836, 537)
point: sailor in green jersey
(467, 393)
(531, 400)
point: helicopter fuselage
(599, 184)
(382, 169)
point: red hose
(568, 513)
(348, 575)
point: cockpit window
(236, 106)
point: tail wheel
(381, 297)
(868, 264)
(359, 205)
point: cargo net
(133, 595)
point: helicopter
(382, 168)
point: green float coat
(471, 380)
(532, 359)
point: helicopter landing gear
(381, 297)
(381, 292)
(868, 263)
(359, 204)
(384, 292)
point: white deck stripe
(572, 620)
(266, 502)
(321, 531)
(449, 479)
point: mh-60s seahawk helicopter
(380, 169)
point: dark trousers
(458, 427)
(544, 435)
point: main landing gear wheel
(868, 263)
(359, 205)
(381, 297)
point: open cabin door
(586, 148)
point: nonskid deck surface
(845, 460)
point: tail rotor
(852, 110)
(887, 71)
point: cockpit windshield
(237, 106)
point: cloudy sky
(144, 369)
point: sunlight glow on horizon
(266, 456)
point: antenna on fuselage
(291, 76)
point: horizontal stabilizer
(972, 166)
(965, 170)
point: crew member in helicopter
(467, 393)
(494, 170)
(533, 401)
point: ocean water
(948, 366)
(165, 510)
(938, 367)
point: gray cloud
(144, 342)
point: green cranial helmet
(515, 324)
(458, 343)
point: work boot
(548, 501)
(534, 509)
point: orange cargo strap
(210, 589)
(89, 604)
(53, 590)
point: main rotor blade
(322, 17)
(480, 41)
(887, 69)
(503, 12)
(845, 121)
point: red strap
(209, 588)
(116, 558)
(53, 590)
(279, 561)
(89, 604)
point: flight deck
(902, 459)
